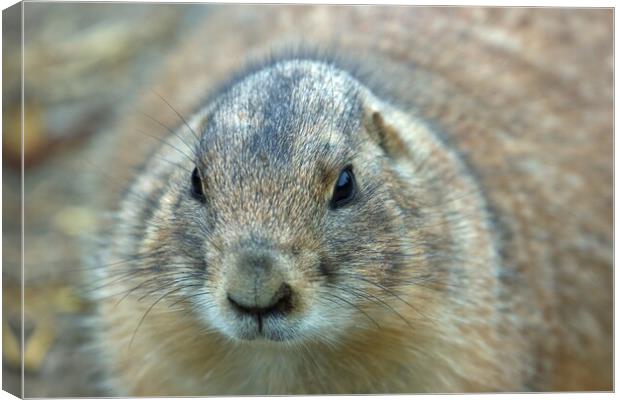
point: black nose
(281, 303)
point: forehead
(292, 113)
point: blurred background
(87, 64)
(82, 63)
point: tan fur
(514, 225)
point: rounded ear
(386, 125)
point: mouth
(266, 327)
(271, 325)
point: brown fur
(494, 162)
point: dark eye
(196, 191)
(344, 188)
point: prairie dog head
(302, 208)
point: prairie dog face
(287, 223)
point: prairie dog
(434, 217)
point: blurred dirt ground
(82, 64)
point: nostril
(236, 304)
(281, 303)
(283, 295)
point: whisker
(172, 132)
(178, 114)
(166, 143)
(172, 162)
(148, 311)
(327, 297)
(189, 297)
(145, 283)
(360, 293)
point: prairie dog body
(437, 219)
